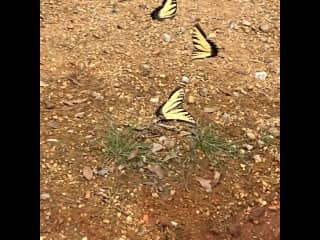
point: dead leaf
(156, 169)
(156, 147)
(87, 173)
(205, 183)
(133, 154)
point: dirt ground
(106, 62)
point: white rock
(248, 147)
(261, 75)
(166, 37)
(246, 23)
(265, 27)
(174, 223)
(185, 79)
(154, 100)
(257, 158)
(44, 196)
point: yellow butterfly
(172, 108)
(166, 10)
(203, 47)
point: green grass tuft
(120, 142)
(213, 146)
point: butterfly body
(172, 109)
(203, 47)
(166, 10)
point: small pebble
(257, 158)
(129, 219)
(191, 99)
(145, 69)
(274, 132)
(246, 23)
(48, 105)
(261, 75)
(203, 92)
(106, 221)
(44, 196)
(101, 171)
(157, 52)
(154, 100)
(212, 35)
(233, 25)
(248, 147)
(251, 136)
(174, 223)
(265, 27)
(226, 117)
(79, 115)
(43, 84)
(185, 79)
(97, 95)
(155, 195)
(260, 143)
(53, 124)
(166, 37)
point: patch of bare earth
(105, 62)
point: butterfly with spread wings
(203, 47)
(166, 10)
(172, 109)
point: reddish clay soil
(106, 63)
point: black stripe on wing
(155, 13)
(159, 110)
(214, 47)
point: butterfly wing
(172, 109)
(166, 10)
(180, 115)
(203, 47)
